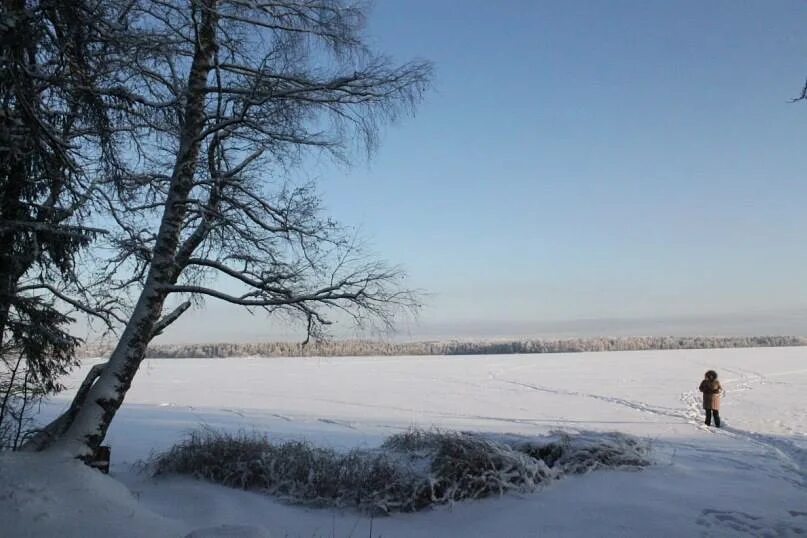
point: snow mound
(43, 495)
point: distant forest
(346, 348)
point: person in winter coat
(711, 389)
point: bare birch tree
(223, 98)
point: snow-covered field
(749, 478)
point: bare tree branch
(169, 318)
(803, 96)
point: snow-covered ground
(749, 478)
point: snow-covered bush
(470, 466)
(409, 472)
(588, 451)
(372, 481)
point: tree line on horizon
(344, 348)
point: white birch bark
(105, 397)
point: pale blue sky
(582, 160)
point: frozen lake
(749, 478)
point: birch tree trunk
(92, 420)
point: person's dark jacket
(711, 390)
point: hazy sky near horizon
(585, 160)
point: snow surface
(747, 479)
(56, 496)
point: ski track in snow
(638, 406)
(742, 523)
(342, 423)
(790, 457)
